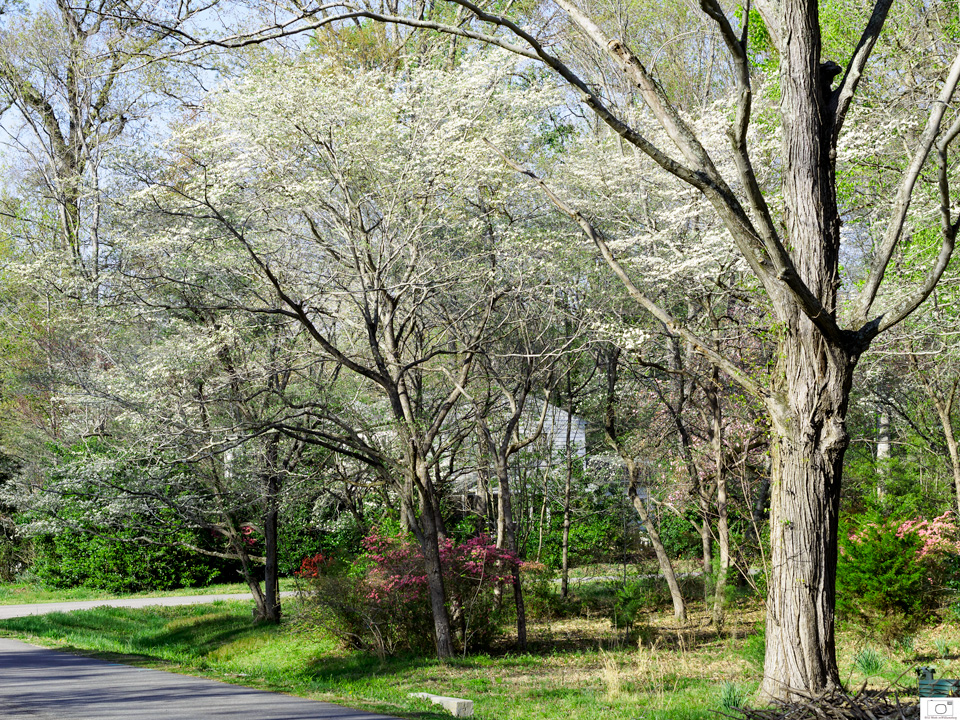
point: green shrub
(882, 582)
(115, 560)
(679, 536)
(541, 594)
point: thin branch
(904, 194)
(949, 227)
(648, 304)
(840, 101)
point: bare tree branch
(903, 198)
(949, 228)
(744, 380)
(840, 101)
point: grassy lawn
(578, 668)
(25, 593)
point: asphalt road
(41, 684)
(14, 611)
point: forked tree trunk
(507, 538)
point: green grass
(23, 593)
(869, 661)
(583, 683)
(579, 667)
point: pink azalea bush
(891, 574)
(939, 536)
(381, 601)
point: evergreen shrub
(890, 573)
(115, 560)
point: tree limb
(745, 381)
(903, 198)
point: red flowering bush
(312, 566)
(382, 600)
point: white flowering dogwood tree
(364, 207)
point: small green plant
(732, 696)
(904, 645)
(755, 646)
(868, 661)
(633, 604)
(943, 649)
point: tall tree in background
(77, 76)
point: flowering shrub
(889, 573)
(382, 600)
(940, 535)
(311, 566)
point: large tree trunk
(271, 539)
(271, 518)
(810, 440)
(809, 405)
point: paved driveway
(15, 611)
(41, 684)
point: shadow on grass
(144, 633)
(335, 669)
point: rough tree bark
(271, 534)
